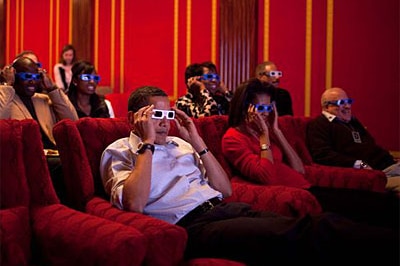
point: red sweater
(243, 152)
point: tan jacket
(50, 108)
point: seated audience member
(82, 92)
(257, 149)
(62, 70)
(198, 101)
(216, 87)
(181, 182)
(338, 138)
(23, 101)
(267, 71)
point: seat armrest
(69, 237)
(284, 200)
(342, 177)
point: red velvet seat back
(20, 166)
(294, 129)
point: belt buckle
(207, 205)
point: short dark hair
(244, 95)
(140, 97)
(211, 66)
(193, 70)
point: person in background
(216, 87)
(82, 92)
(338, 138)
(62, 70)
(258, 150)
(268, 72)
(180, 181)
(198, 101)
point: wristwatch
(142, 147)
(363, 165)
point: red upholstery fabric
(294, 129)
(15, 236)
(80, 145)
(280, 199)
(60, 235)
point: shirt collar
(329, 116)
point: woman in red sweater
(256, 147)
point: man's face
(267, 77)
(161, 126)
(27, 78)
(341, 109)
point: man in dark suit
(267, 71)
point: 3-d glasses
(25, 76)
(210, 77)
(160, 114)
(89, 77)
(264, 108)
(340, 102)
(273, 74)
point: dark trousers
(234, 231)
(57, 176)
(374, 208)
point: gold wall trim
(51, 28)
(121, 46)
(214, 30)
(96, 35)
(266, 31)
(308, 61)
(57, 48)
(188, 31)
(112, 61)
(175, 52)
(8, 32)
(329, 43)
(71, 11)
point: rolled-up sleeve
(117, 163)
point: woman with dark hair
(256, 147)
(62, 70)
(82, 92)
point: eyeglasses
(340, 102)
(210, 77)
(264, 108)
(28, 76)
(39, 65)
(160, 114)
(89, 77)
(273, 74)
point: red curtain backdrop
(150, 43)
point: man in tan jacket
(24, 101)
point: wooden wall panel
(238, 43)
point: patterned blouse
(207, 106)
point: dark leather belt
(198, 211)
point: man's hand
(143, 124)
